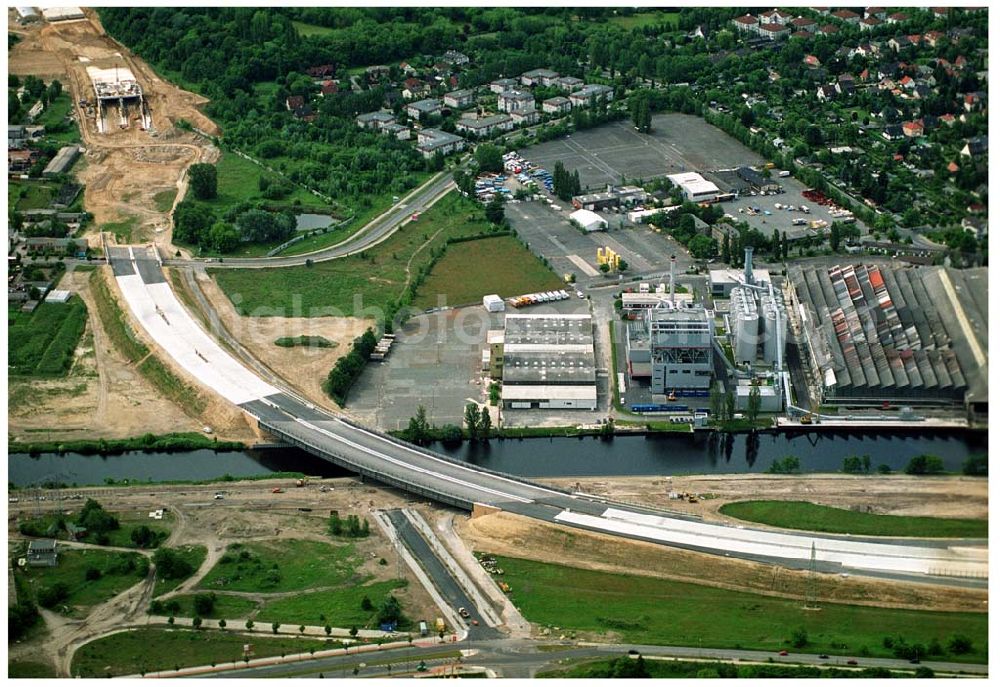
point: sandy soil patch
(943, 497)
(303, 368)
(512, 535)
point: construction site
(118, 100)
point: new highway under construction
(282, 414)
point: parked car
(782, 653)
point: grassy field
(703, 669)
(122, 537)
(304, 29)
(29, 669)
(54, 115)
(303, 340)
(282, 566)
(42, 342)
(802, 515)
(647, 610)
(644, 19)
(338, 607)
(226, 606)
(349, 285)
(30, 195)
(146, 650)
(193, 554)
(122, 230)
(119, 571)
(164, 200)
(473, 269)
(238, 179)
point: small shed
(493, 303)
(58, 296)
(42, 553)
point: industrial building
(917, 335)
(62, 162)
(673, 347)
(612, 198)
(548, 361)
(722, 282)
(695, 187)
(118, 97)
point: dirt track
(125, 168)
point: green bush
(924, 465)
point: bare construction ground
(126, 168)
(512, 535)
(103, 395)
(249, 512)
(942, 497)
(302, 367)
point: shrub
(204, 604)
(91, 574)
(976, 466)
(51, 596)
(959, 645)
(924, 465)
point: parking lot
(613, 152)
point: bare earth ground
(303, 368)
(249, 512)
(512, 535)
(943, 497)
(103, 396)
(126, 167)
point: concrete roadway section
(523, 659)
(438, 477)
(375, 232)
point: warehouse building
(548, 362)
(62, 162)
(695, 187)
(914, 336)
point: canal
(660, 454)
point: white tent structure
(590, 221)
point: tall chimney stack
(748, 265)
(673, 262)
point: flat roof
(586, 217)
(693, 183)
(734, 276)
(548, 392)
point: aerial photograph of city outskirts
(497, 342)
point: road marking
(583, 265)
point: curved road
(376, 231)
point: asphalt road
(524, 658)
(374, 232)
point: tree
(170, 565)
(976, 466)
(495, 210)
(703, 247)
(715, 401)
(143, 537)
(726, 255)
(249, 625)
(622, 265)
(485, 423)
(366, 604)
(353, 631)
(389, 611)
(924, 465)
(489, 158)
(472, 420)
(959, 645)
(223, 237)
(204, 181)
(835, 237)
(302, 629)
(196, 622)
(204, 604)
(274, 627)
(800, 638)
(418, 430)
(605, 267)
(222, 623)
(328, 630)
(753, 404)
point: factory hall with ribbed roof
(915, 336)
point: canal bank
(702, 453)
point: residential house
(913, 128)
(433, 141)
(415, 88)
(804, 24)
(539, 77)
(826, 92)
(952, 167)
(775, 16)
(947, 119)
(329, 88)
(898, 18)
(827, 30)
(42, 553)
(934, 37)
(480, 127)
(929, 121)
(375, 120)
(845, 84)
(893, 132)
(773, 31)
(866, 50)
(17, 136)
(407, 69)
(869, 23)
(977, 226)
(973, 102)
(569, 83)
(453, 57)
(402, 133)
(321, 71)
(811, 61)
(877, 12)
(582, 97)
(848, 16)
(747, 23)
(976, 146)
(294, 102)
(392, 98)
(525, 118)
(422, 109)
(460, 99)
(800, 34)
(557, 105)
(940, 12)
(305, 113)
(376, 72)
(19, 160)
(515, 101)
(498, 86)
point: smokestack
(673, 261)
(748, 264)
